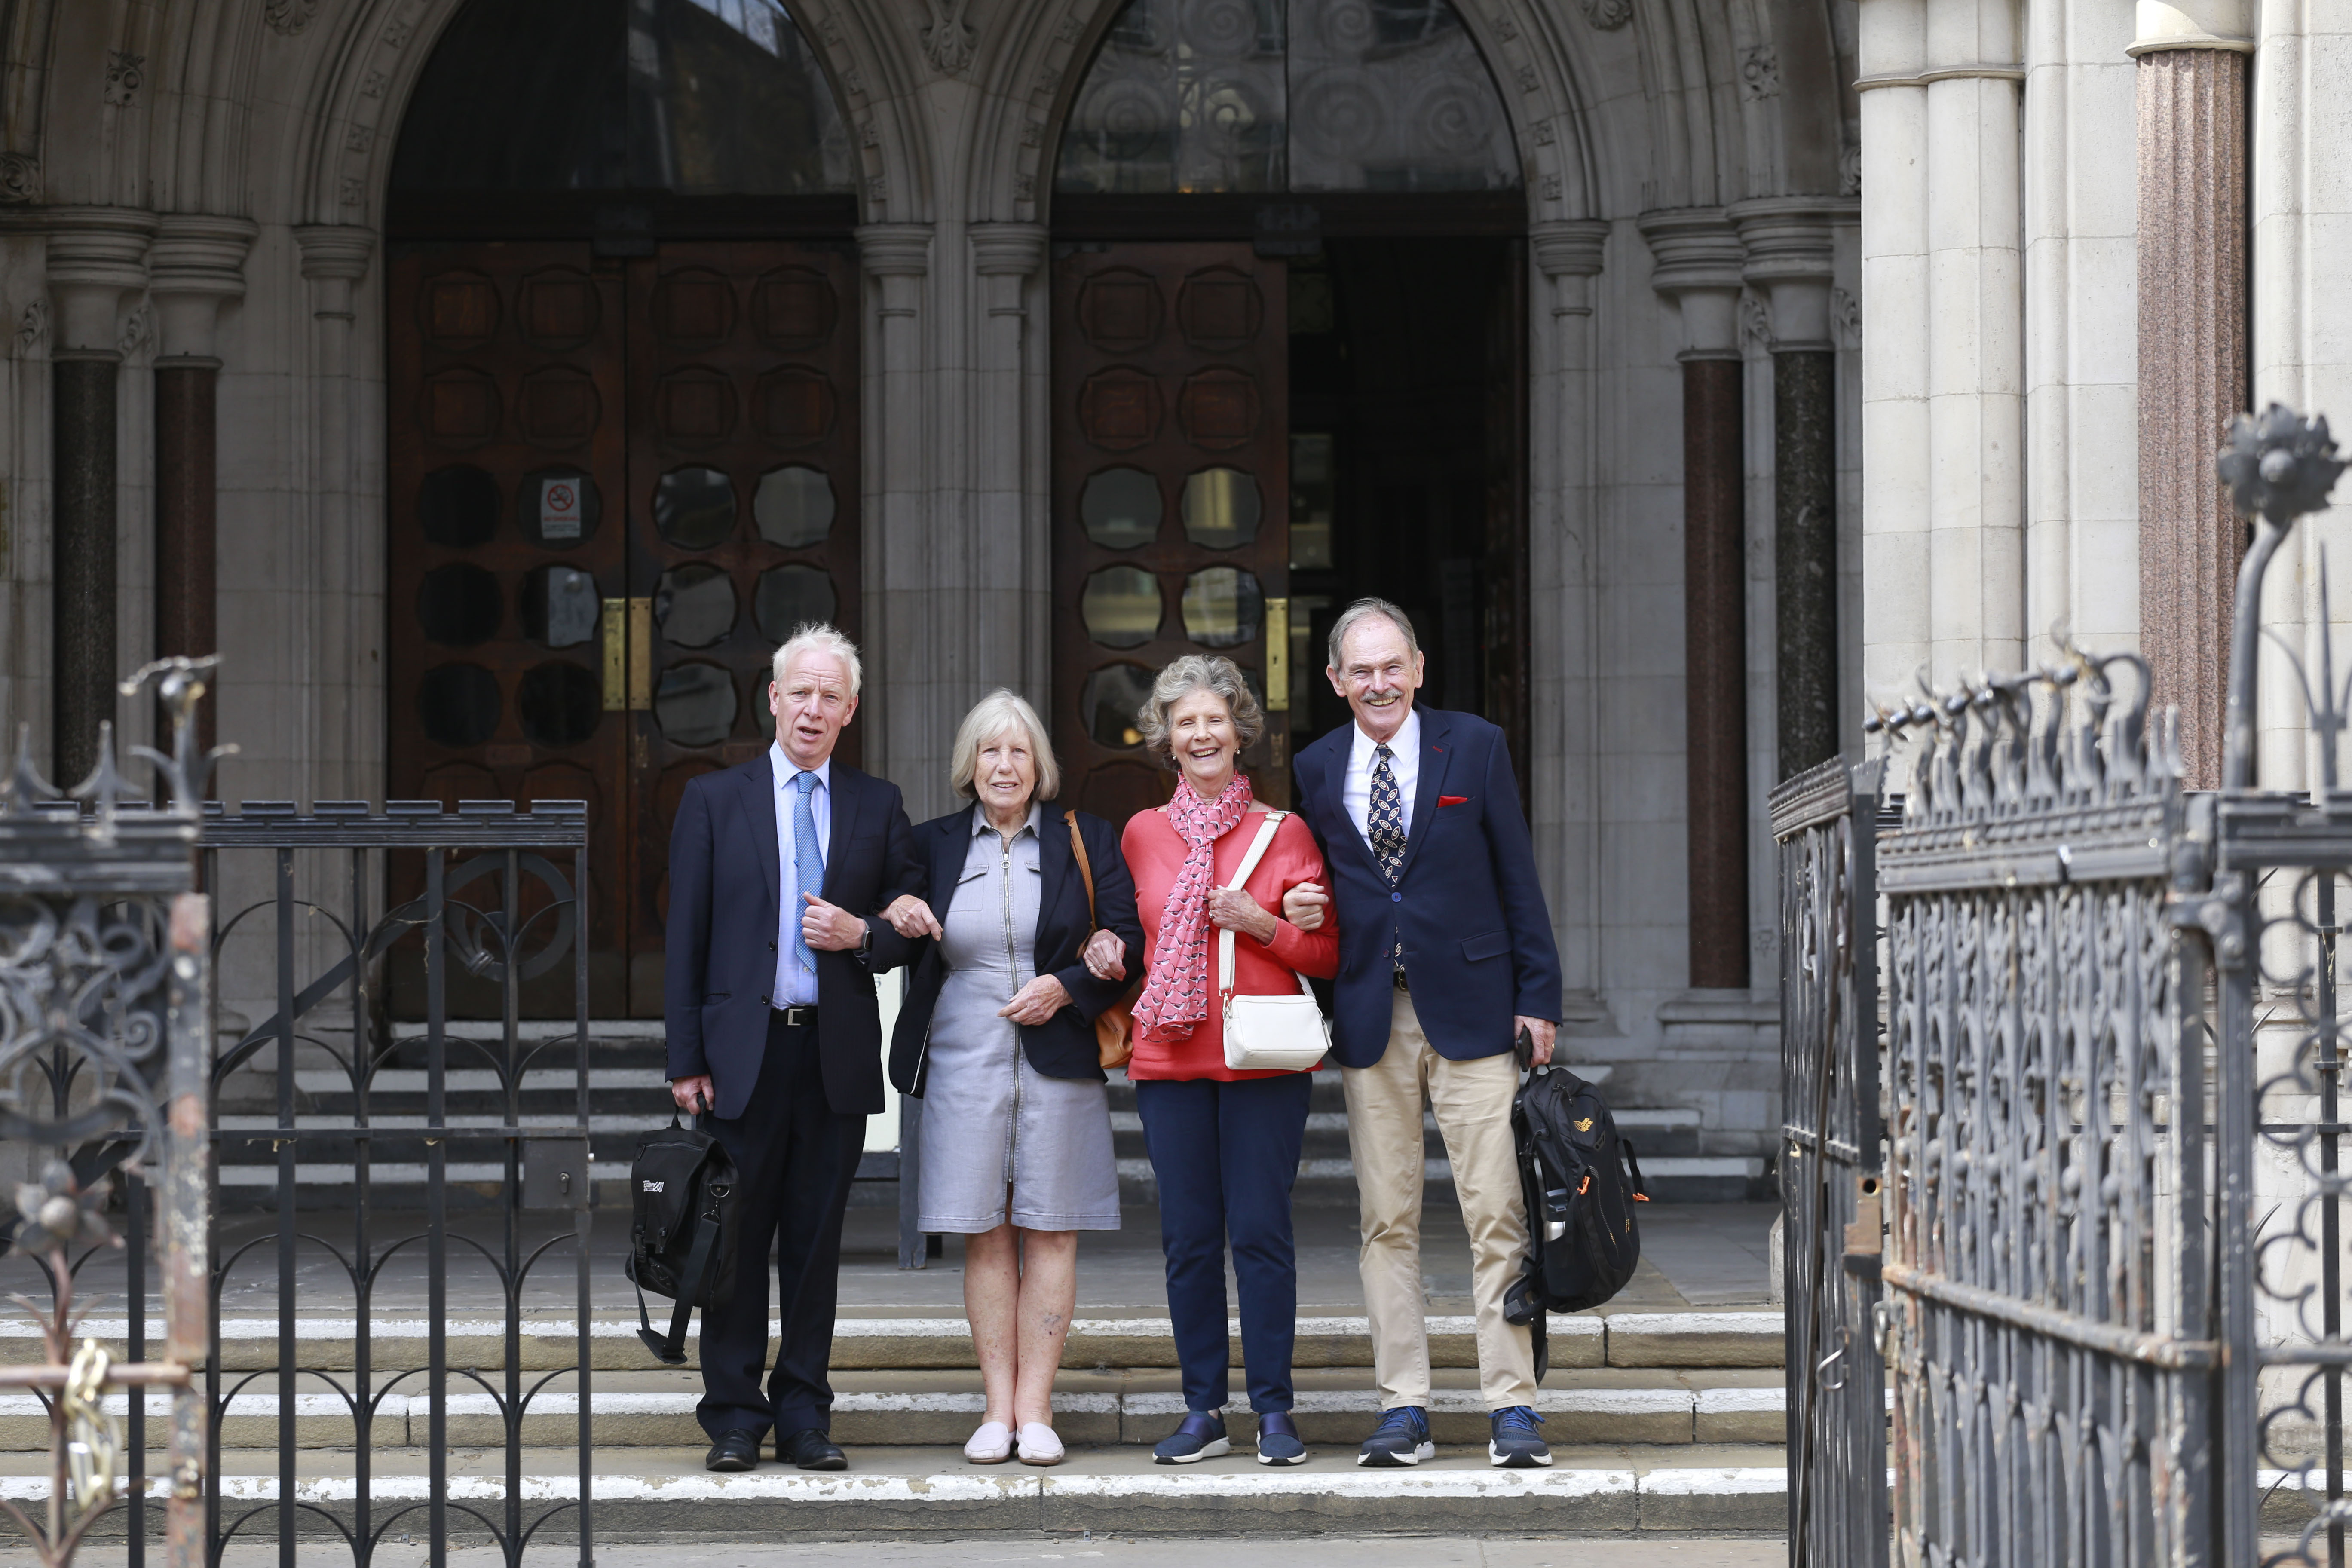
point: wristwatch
(866, 942)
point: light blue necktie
(808, 867)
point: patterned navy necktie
(1384, 820)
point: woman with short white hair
(1031, 919)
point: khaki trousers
(1472, 1102)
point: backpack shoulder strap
(694, 1284)
(1085, 867)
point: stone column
(341, 692)
(906, 655)
(2193, 352)
(96, 255)
(1563, 585)
(1943, 312)
(1698, 267)
(196, 263)
(1786, 239)
(1016, 549)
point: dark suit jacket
(1064, 1045)
(725, 886)
(1477, 937)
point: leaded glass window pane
(1207, 96)
(700, 96)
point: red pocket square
(1453, 800)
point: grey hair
(815, 636)
(1183, 677)
(1364, 609)
(1002, 713)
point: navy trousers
(1226, 1156)
(795, 1160)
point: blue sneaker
(1401, 1438)
(1277, 1439)
(1201, 1437)
(1516, 1445)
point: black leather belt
(798, 1017)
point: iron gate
(2111, 1047)
(105, 1006)
(1824, 820)
(356, 1170)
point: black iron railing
(503, 898)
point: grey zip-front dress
(991, 1123)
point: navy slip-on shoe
(1277, 1439)
(1516, 1444)
(1401, 1438)
(1201, 1437)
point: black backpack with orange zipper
(1581, 1181)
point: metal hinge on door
(641, 653)
(628, 639)
(615, 639)
(1277, 656)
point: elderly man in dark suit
(1445, 955)
(776, 870)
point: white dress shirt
(795, 986)
(1356, 788)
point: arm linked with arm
(902, 872)
(1311, 953)
(1114, 911)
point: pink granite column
(2193, 375)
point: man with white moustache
(1447, 955)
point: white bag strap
(1249, 863)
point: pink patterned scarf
(1176, 993)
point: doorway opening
(1289, 370)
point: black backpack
(682, 1234)
(1581, 1181)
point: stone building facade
(293, 310)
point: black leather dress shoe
(811, 1449)
(736, 1450)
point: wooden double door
(614, 487)
(1171, 499)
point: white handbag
(1268, 1034)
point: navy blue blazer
(725, 886)
(1478, 947)
(1064, 1045)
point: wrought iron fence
(360, 1116)
(105, 976)
(1824, 820)
(2113, 1046)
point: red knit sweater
(1155, 854)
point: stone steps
(1104, 1408)
(628, 1097)
(909, 1493)
(1622, 1339)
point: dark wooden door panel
(743, 515)
(506, 495)
(1171, 500)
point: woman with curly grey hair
(1224, 1142)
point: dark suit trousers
(1226, 1155)
(795, 1160)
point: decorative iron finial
(2278, 468)
(2280, 465)
(180, 686)
(24, 789)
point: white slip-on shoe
(1039, 1446)
(992, 1444)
